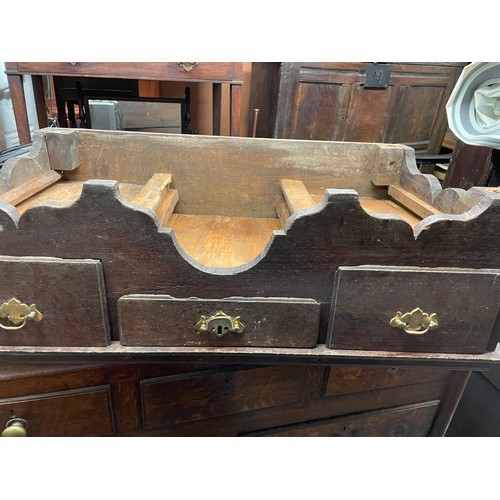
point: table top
(222, 72)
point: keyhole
(221, 329)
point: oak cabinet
(226, 400)
(327, 288)
(331, 101)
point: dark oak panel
(306, 411)
(405, 421)
(161, 320)
(357, 379)
(366, 299)
(85, 412)
(206, 399)
(68, 292)
(213, 394)
(367, 116)
(329, 101)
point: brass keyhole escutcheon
(219, 324)
(416, 322)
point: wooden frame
(422, 224)
(215, 73)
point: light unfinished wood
(130, 191)
(282, 211)
(412, 202)
(232, 176)
(63, 191)
(374, 206)
(152, 192)
(166, 207)
(219, 241)
(154, 195)
(30, 187)
(205, 177)
(150, 196)
(378, 206)
(296, 195)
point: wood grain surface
(230, 176)
(68, 292)
(209, 394)
(156, 320)
(223, 242)
(406, 421)
(81, 412)
(213, 71)
(365, 299)
(298, 262)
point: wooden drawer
(203, 71)
(404, 421)
(162, 320)
(370, 306)
(82, 412)
(215, 393)
(353, 380)
(69, 294)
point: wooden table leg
(19, 106)
(469, 166)
(39, 95)
(235, 109)
(217, 104)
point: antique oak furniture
(392, 102)
(162, 284)
(215, 73)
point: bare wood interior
(224, 197)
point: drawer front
(203, 71)
(68, 294)
(384, 308)
(162, 320)
(84, 412)
(353, 380)
(213, 393)
(403, 421)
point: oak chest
(247, 256)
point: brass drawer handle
(18, 313)
(15, 427)
(187, 66)
(416, 322)
(219, 324)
